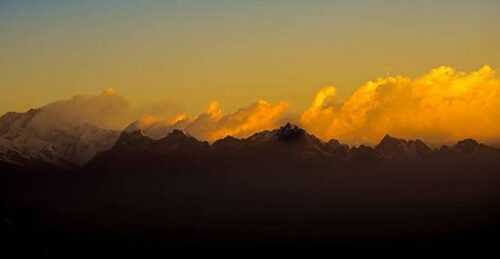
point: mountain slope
(277, 184)
(286, 146)
(25, 138)
(394, 148)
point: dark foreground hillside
(276, 188)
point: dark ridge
(468, 145)
(283, 184)
(334, 142)
(176, 134)
(31, 112)
(362, 153)
(296, 140)
(10, 117)
(391, 147)
(133, 138)
(335, 147)
(227, 142)
(178, 140)
(290, 132)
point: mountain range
(77, 180)
(287, 143)
(25, 141)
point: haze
(192, 52)
(341, 69)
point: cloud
(213, 124)
(441, 106)
(111, 111)
(107, 110)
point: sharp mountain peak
(86, 140)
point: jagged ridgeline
(28, 142)
(288, 146)
(281, 183)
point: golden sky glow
(174, 57)
(440, 107)
(188, 53)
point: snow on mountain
(23, 137)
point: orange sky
(188, 53)
(379, 64)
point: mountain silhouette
(24, 142)
(288, 144)
(280, 184)
(390, 148)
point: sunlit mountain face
(150, 127)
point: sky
(188, 53)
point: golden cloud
(441, 106)
(213, 124)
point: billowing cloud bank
(441, 106)
(112, 111)
(213, 124)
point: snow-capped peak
(26, 136)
